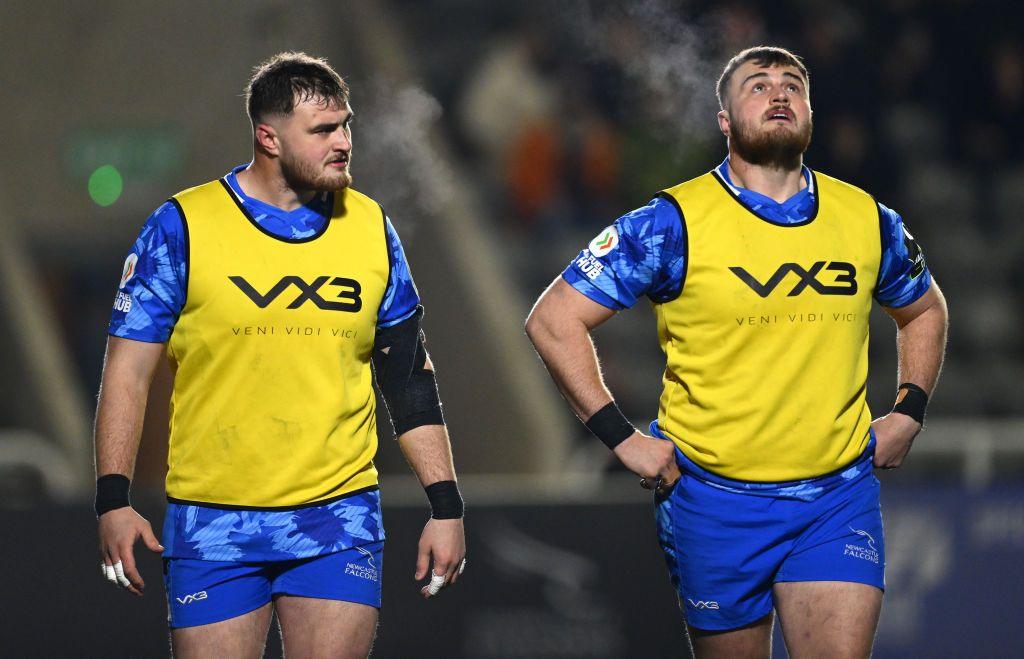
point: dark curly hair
(289, 78)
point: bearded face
(770, 145)
(768, 120)
(306, 173)
(315, 146)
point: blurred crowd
(572, 113)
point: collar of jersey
(305, 221)
(795, 210)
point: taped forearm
(404, 376)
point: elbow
(532, 325)
(538, 325)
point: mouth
(780, 114)
(339, 163)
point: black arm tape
(610, 425)
(111, 493)
(445, 500)
(409, 389)
(914, 403)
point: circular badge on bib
(605, 242)
(129, 269)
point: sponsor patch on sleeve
(123, 302)
(605, 242)
(914, 254)
(128, 271)
(589, 265)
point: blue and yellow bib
(273, 403)
(767, 345)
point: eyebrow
(334, 124)
(764, 74)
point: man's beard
(776, 148)
(302, 175)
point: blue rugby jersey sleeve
(903, 276)
(152, 289)
(642, 253)
(400, 296)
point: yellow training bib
(767, 345)
(273, 403)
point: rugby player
(761, 273)
(277, 293)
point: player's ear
(265, 137)
(723, 122)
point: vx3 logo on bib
(847, 276)
(349, 293)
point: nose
(780, 96)
(343, 142)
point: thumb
(422, 563)
(150, 540)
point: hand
(444, 540)
(650, 458)
(119, 529)
(894, 433)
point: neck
(263, 180)
(775, 183)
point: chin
(334, 182)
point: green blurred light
(105, 185)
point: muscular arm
(127, 373)
(921, 338)
(559, 327)
(405, 376)
(428, 452)
(921, 342)
(124, 388)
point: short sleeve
(903, 276)
(400, 296)
(153, 280)
(642, 253)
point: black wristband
(914, 402)
(445, 500)
(111, 493)
(610, 425)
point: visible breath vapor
(396, 156)
(670, 60)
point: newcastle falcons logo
(348, 296)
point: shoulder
(658, 216)
(353, 197)
(846, 195)
(164, 225)
(693, 186)
(887, 216)
(196, 191)
(895, 236)
(647, 235)
(823, 180)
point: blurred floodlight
(105, 185)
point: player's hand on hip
(651, 459)
(894, 434)
(119, 529)
(441, 555)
